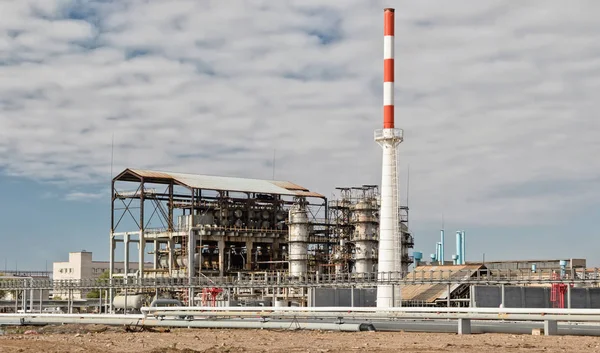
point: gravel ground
(98, 338)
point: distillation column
(299, 228)
(365, 236)
(390, 246)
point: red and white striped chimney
(388, 68)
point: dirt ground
(97, 338)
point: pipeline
(163, 301)
(138, 320)
(347, 309)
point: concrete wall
(531, 297)
(363, 297)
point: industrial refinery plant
(193, 240)
(203, 226)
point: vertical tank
(299, 229)
(417, 257)
(364, 236)
(443, 247)
(459, 259)
(563, 268)
(463, 248)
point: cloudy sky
(498, 101)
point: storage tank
(417, 257)
(299, 229)
(134, 301)
(182, 261)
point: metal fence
(284, 280)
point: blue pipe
(463, 247)
(458, 248)
(442, 257)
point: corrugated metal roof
(429, 293)
(209, 182)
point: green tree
(102, 279)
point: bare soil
(98, 338)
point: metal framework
(207, 226)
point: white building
(81, 266)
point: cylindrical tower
(299, 229)
(388, 68)
(364, 236)
(442, 256)
(390, 240)
(463, 247)
(459, 258)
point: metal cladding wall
(531, 297)
(363, 297)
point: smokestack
(388, 68)
(390, 264)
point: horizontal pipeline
(379, 316)
(262, 309)
(140, 321)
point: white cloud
(83, 196)
(493, 96)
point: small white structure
(81, 266)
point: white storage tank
(134, 301)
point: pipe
(257, 311)
(462, 247)
(24, 320)
(442, 257)
(161, 301)
(458, 248)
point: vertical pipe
(111, 264)
(155, 256)
(442, 257)
(438, 252)
(31, 294)
(463, 247)
(111, 256)
(191, 265)
(170, 225)
(458, 248)
(126, 257)
(142, 242)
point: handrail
(314, 279)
